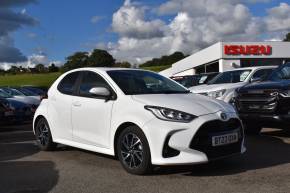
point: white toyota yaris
(139, 116)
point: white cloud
(278, 18)
(196, 24)
(31, 62)
(129, 21)
(96, 19)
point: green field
(45, 80)
(42, 80)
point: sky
(47, 31)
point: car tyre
(43, 135)
(133, 151)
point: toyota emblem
(224, 116)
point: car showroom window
(89, 81)
(67, 85)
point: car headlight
(167, 114)
(285, 93)
(216, 94)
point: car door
(59, 109)
(91, 115)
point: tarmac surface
(265, 167)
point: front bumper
(266, 120)
(183, 136)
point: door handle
(77, 104)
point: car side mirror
(256, 79)
(100, 92)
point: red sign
(248, 50)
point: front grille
(257, 102)
(202, 141)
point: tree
(100, 58)
(123, 65)
(287, 38)
(164, 60)
(53, 68)
(77, 60)
(40, 68)
(14, 70)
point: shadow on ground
(264, 151)
(16, 175)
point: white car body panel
(91, 124)
(229, 87)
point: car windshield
(4, 94)
(27, 92)
(13, 92)
(136, 82)
(281, 73)
(231, 77)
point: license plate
(225, 139)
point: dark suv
(266, 103)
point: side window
(89, 81)
(67, 84)
(261, 74)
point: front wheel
(133, 151)
(43, 135)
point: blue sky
(65, 26)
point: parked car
(116, 112)
(17, 95)
(224, 85)
(40, 91)
(194, 80)
(29, 93)
(6, 113)
(17, 111)
(266, 104)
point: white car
(117, 112)
(224, 85)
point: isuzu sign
(248, 50)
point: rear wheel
(133, 151)
(43, 135)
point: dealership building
(224, 56)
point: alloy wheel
(42, 134)
(132, 150)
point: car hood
(191, 103)
(27, 100)
(215, 87)
(16, 103)
(276, 85)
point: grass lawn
(42, 80)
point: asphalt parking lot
(24, 169)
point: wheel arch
(119, 131)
